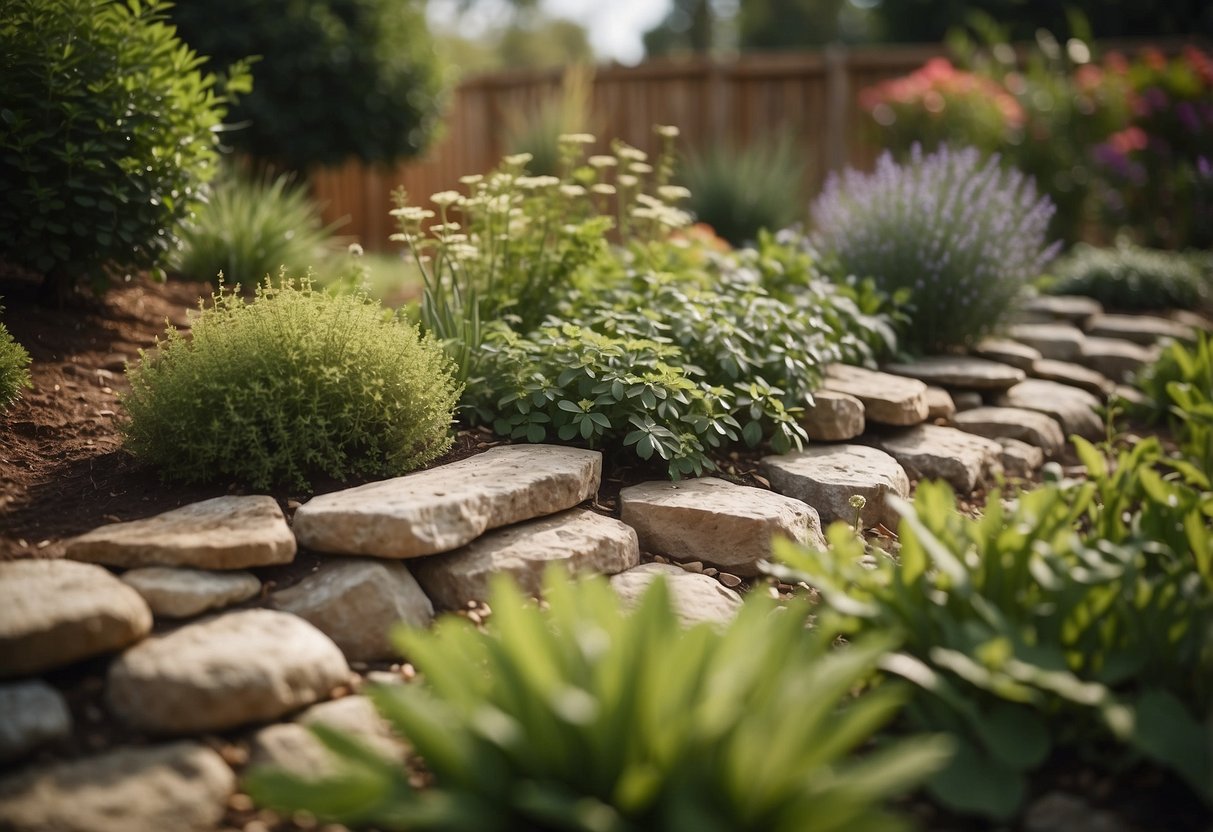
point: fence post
(837, 106)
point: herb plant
(14, 367)
(586, 717)
(1133, 278)
(295, 385)
(963, 235)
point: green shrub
(962, 235)
(108, 130)
(741, 191)
(589, 718)
(14, 367)
(294, 385)
(1137, 279)
(248, 229)
(335, 79)
(1178, 387)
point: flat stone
(1140, 329)
(55, 612)
(964, 371)
(443, 508)
(1007, 351)
(34, 714)
(1127, 395)
(887, 399)
(233, 669)
(1195, 320)
(1115, 358)
(716, 522)
(834, 417)
(827, 476)
(1060, 341)
(181, 786)
(356, 602)
(223, 533)
(291, 746)
(940, 404)
(180, 593)
(966, 400)
(964, 460)
(697, 599)
(1076, 410)
(1029, 426)
(1019, 459)
(580, 541)
(1069, 308)
(1074, 375)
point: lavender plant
(963, 235)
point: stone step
(887, 399)
(183, 593)
(1115, 358)
(828, 476)
(1075, 375)
(1007, 351)
(697, 599)
(581, 541)
(1062, 342)
(833, 417)
(1077, 411)
(1074, 309)
(443, 508)
(1140, 329)
(223, 533)
(716, 522)
(940, 404)
(964, 460)
(963, 371)
(1029, 426)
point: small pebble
(240, 802)
(730, 580)
(711, 571)
(692, 566)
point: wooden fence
(812, 96)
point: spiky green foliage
(590, 718)
(1132, 278)
(14, 367)
(296, 384)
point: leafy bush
(741, 191)
(1132, 278)
(335, 78)
(108, 130)
(14, 367)
(294, 385)
(963, 236)
(589, 718)
(248, 229)
(1178, 387)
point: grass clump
(964, 236)
(296, 384)
(14, 368)
(1137, 279)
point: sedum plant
(14, 368)
(295, 385)
(1133, 278)
(582, 716)
(964, 236)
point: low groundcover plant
(14, 367)
(298, 383)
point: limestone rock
(1075, 309)
(964, 460)
(1130, 396)
(716, 522)
(696, 598)
(1140, 329)
(54, 612)
(827, 476)
(34, 714)
(1029, 426)
(291, 746)
(1074, 375)
(1193, 320)
(940, 404)
(181, 593)
(581, 541)
(1019, 459)
(442, 508)
(221, 672)
(1114, 357)
(223, 533)
(966, 400)
(962, 371)
(356, 602)
(1058, 341)
(834, 417)
(1006, 351)
(887, 399)
(1074, 409)
(181, 786)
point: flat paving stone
(1062, 342)
(827, 476)
(1008, 351)
(1075, 375)
(1076, 410)
(887, 399)
(1029, 426)
(443, 508)
(34, 714)
(964, 371)
(1115, 358)
(1073, 309)
(55, 612)
(964, 460)
(833, 417)
(716, 522)
(1140, 329)
(223, 533)
(581, 541)
(697, 599)
(174, 592)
